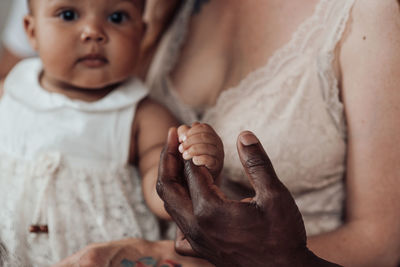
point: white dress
(63, 163)
(292, 104)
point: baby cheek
(126, 59)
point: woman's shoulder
(373, 15)
(373, 32)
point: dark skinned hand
(266, 230)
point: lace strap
(336, 19)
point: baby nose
(93, 33)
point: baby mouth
(93, 60)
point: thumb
(257, 166)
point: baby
(73, 123)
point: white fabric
(14, 37)
(63, 163)
(292, 104)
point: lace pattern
(92, 202)
(292, 103)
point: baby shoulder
(151, 110)
(152, 118)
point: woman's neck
(226, 42)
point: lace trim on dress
(103, 200)
(332, 98)
(297, 45)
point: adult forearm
(357, 244)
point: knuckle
(202, 126)
(181, 128)
(194, 150)
(206, 125)
(255, 164)
(203, 136)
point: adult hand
(266, 230)
(130, 252)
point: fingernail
(180, 148)
(186, 155)
(196, 161)
(248, 139)
(127, 263)
(182, 138)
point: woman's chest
(227, 42)
(294, 123)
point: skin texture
(371, 98)
(81, 29)
(368, 92)
(367, 67)
(266, 230)
(8, 60)
(158, 16)
(112, 31)
(146, 144)
(114, 254)
(198, 5)
(149, 129)
(201, 144)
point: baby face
(89, 44)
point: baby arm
(149, 134)
(202, 145)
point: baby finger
(205, 160)
(200, 149)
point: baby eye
(68, 15)
(118, 17)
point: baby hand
(202, 144)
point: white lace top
(63, 163)
(292, 104)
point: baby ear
(30, 30)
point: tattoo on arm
(198, 4)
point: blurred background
(4, 8)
